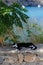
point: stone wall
(12, 56)
(20, 58)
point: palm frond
(9, 15)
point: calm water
(35, 13)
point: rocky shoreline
(31, 2)
(26, 2)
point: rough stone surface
(29, 57)
(1, 60)
(5, 63)
(20, 58)
(10, 56)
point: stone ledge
(15, 57)
(21, 57)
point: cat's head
(15, 45)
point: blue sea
(35, 13)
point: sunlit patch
(11, 13)
(39, 6)
(23, 6)
(40, 50)
(13, 51)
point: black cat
(26, 45)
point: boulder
(29, 57)
(20, 58)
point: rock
(23, 63)
(1, 60)
(20, 57)
(9, 59)
(31, 63)
(37, 59)
(12, 59)
(15, 58)
(29, 57)
(5, 63)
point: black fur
(26, 45)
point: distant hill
(9, 1)
(31, 2)
(26, 2)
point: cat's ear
(16, 45)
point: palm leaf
(9, 15)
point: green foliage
(10, 15)
(29, 33)
(36, 33)
(37, 38)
